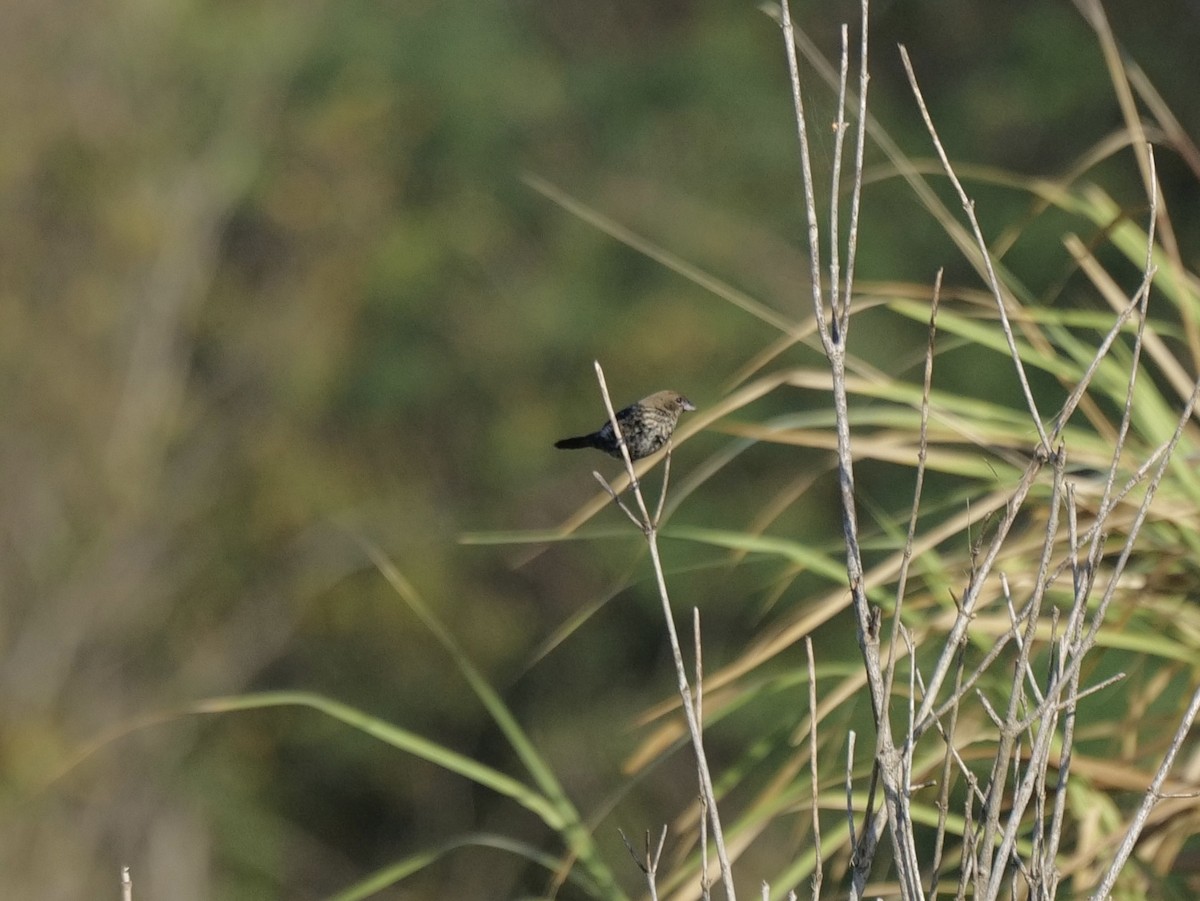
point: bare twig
(1153, 796)
(648, 863)
(810, 202)
(705, 882)
(943, 803)
(922, 455)
(1059, 648)
(985, 255)
(850, 738)
(888, 765)
(662, 494)
(647, 525)
(818, 864)
(1079, 642)
(1010, 729)
(837, 303)
(616, 498)
(698, 650)
(1088, 639)
(864, 78)
(1015, 620)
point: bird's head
(671, 401)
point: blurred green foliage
(270, 279)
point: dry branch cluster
(1029, 631)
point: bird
(646, 426)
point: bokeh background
(272, 281)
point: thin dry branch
(943, 802)
(888, 760)
(648, 863)
(1153, 796)
(810, 203)
(705, 881)
(985, 254)
(649, 528)
(1088, 639)
(922, 456)
(818, 864)
(1010, 729)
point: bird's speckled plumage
(645, 426)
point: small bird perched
(646, 426)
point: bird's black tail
(575, 443)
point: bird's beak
(687, 405)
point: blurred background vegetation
(270, 279)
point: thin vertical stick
(944, 788)
(887, 758)
(850, 789)
(818, 864)
(705, 883)
(810, 194)
(685, 692)
(864, 79)
(835, 183)
(922, 456)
